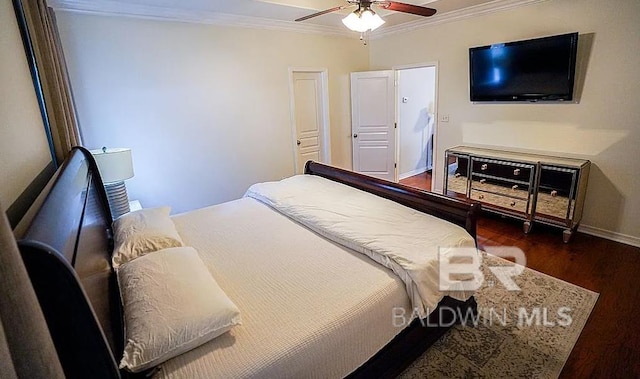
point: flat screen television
(540, 69)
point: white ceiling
(279, 14)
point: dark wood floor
(422, 181)
(609, 346)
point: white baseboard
(412, 173)
(613, 236)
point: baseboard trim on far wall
(598, 232)
(412, 173)
(613, 236)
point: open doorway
(416, 115)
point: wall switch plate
(444, 118)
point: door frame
(325, 132)
(433, 64)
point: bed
(66, 242)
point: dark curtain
(52, 75)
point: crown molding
(152, 12)
(461, 14)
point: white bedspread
(310, 308)
(400, 238)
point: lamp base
(118, 199)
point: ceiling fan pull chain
(364, 37)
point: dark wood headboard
(459, 212)
(66, 242)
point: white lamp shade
(115, 165)
(354, 22)
(375, 21)
(361, 21)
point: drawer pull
(516, 171)
(513, 203)
(457, 175)
(554, 193)
(484, 167)
(483, 181)
(514, 187)
(480, 197)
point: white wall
(24, 151)
(603, 127)
(205, 108)
(415, 117)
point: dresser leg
(526, 227)
(566, 235)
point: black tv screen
(531, 70)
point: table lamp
(115, 166)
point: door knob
(298, 142)
(355, 136)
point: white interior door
(309, 118)
(372, 123)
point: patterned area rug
(519, 334)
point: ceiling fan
(365, 19)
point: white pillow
(142, 232)
(171, 304)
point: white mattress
(310, 308)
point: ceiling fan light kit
(364, 19)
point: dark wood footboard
(457, 211)
(415, 339)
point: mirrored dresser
(530, 187)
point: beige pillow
(142, 232)
(172, 304)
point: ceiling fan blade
(323, 12)
(407, 8)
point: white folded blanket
(400, 238)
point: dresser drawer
(500, 186)
(457, 184)
(502, 169)
(554, 206)
(509, 203)
(558, 180)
